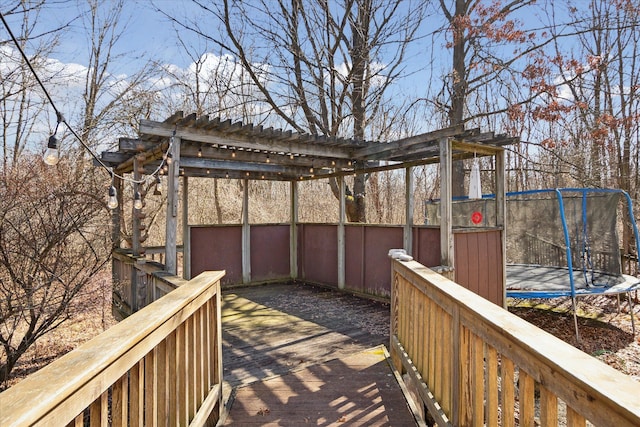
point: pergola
(216, 148)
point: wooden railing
(137, 282)
(160, 366)
(474, 363)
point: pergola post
(447, 253)
(186, 240)
(293, 231)
(501, 217)
(246, 235)
(409, 200)
(171, 250)
(116, 216)
(135, 213)
(341, 236)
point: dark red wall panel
(318, 253)
(217, 248)
(377, 265)
(269, 252)
(478, 263)
(426, 245)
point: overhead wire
(61, 119)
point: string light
(169, 158)
(268, 159)
(227, 175)
(158, 190)
(113, 198)
(200, 152)
(291, 156)
(52, 154)
(233, 154)
(137, 201)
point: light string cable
(61, 118)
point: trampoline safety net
(536, 233)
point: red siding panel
(426, 245)
(319, 246)
(269, 252)
(217, 248)
(478, 262)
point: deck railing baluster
(478, 364)
(142, 372)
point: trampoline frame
(589, 290)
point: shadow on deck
(298, 354)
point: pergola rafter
(222, 148)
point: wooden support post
(246, 235)
(116, 216)
(501, 218)
(135, 213)
(409, 200)
(186, 248)
(293, 231)
(446, 230)
(171, 249)
(341, 236)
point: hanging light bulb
(169, 158)
(233, 154)
(137, 201)
(311, 168)
(113, 198)
(268, 159)
(200, 152)
(52, 155)
(226, 175)
(158, 190)
(291, 156)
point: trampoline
(559, 242)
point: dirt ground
(605, 333)
(604, 325)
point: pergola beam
(243, 141)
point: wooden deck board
(356, 390)
(269, 330)
(299, 354)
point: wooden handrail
(161, 365)
(471, 360)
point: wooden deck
(297, 354)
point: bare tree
(19, 108)
(596, 114)
(487, 43)
(319, 67)
(50, 247)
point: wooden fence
(474, 363)
(160, 366)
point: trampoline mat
(533, 281)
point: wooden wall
(368, 265)
(217, 248)
(478, 263)
(318, 253)
(478, 258)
